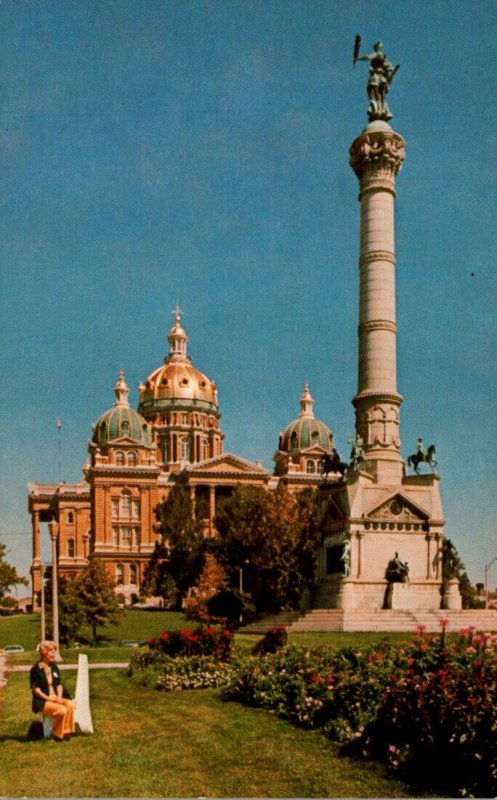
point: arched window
(133, 573)
(310, 468)
(120, 458)
(119, 574)
(70, 548)
(125, 505)
(185, 450)
(132, 459)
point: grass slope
(174, 744)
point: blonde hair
(47, 644)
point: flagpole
(59, 428)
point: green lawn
(175, 744)
(139, 625)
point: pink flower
(444, 622)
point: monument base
(451, 598)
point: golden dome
(177, 383)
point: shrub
(274, 639)
(428, 709)
(199, 642)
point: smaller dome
(306, 431)
(121, 421)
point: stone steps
(285, 618)
(392, 620)
(384, 620)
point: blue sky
(157, 152)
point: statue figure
(421, 455)
(332, 463)
(357, 451)
(345, 558)
(397, 571)
(451, 562)
(381, 73)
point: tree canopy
(272, 536)
(9, 576)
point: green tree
(70, 607)
(96, 594)
(453, 567)
(273, 537)
(181, 554)
(9, 576)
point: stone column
(376, 157)
(35, 520)
(212, 509)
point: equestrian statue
(421, 455)
(331, 463)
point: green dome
(121, 421)
(306, 431)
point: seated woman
(48, 693)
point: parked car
(129, 643)
(13, 648)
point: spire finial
(177, 338)
(121, 390)
(306, 402)
(177, 314)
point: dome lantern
(306, 403)
(177, 339)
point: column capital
(376, 156)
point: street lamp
(53, 528)
(487, 567)
(42, 618)
(241, 583)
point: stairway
(389, 620)
(385, 620)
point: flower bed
(187, 672)
(201, 641)
(428, 709)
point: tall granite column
(376, 157)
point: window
(133, 572)
(115, 508)
(120, 458)
(135, 509)
(126, 537)
(184, 419)
(115, 535)
(185, 450)
(70, 548)
(125, 505)
(132, 459)
(70, 517)
(309, 467)
(136, 537)
(119, 574)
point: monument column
(376, 157)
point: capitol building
(136, 457)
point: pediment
(123, 441)
(226, 463)
(398, 508)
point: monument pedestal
(451, 598)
